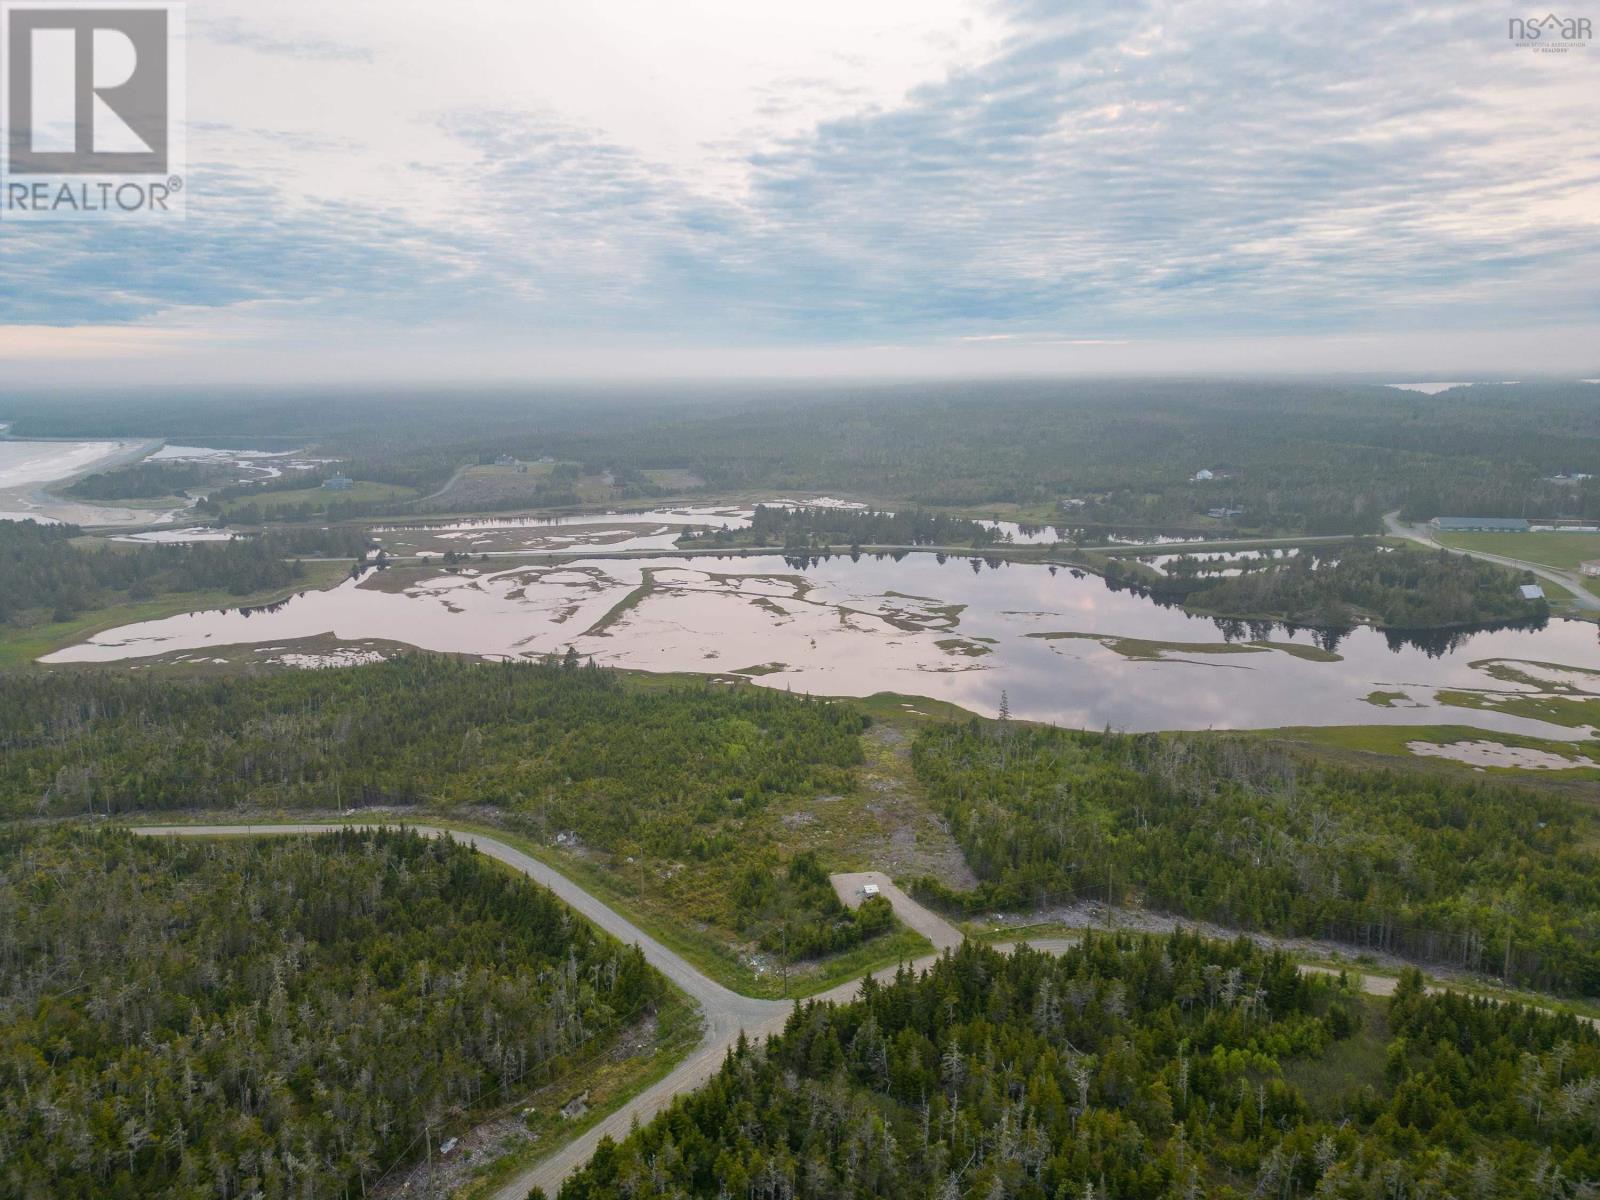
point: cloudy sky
(504, 189)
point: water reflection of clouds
(855, 628)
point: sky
(498, 190)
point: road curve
(726, 1013)
(930, 925)
(1566, 580)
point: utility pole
(1109, 895)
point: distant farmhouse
(1479, 525)
(1531, 591)
(1591, 568)
(1202, 475)
(1569, 478)
(338, 483)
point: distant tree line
(1338, 586)
(1295, 458)
(800, 529)
(144, 480)
(44, 576)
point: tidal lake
(1064, 646)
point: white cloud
(560, 184)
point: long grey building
(1479, 525)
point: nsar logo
(1550, 34)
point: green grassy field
(1561, 550)
(1387, 699)
(1572, 712)
(1143, 650)
(1392, 741)
(364, 492)
(678, 478)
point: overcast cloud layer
(609, 187)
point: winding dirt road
(1569, 581)
(726, 1013)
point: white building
(1592, 567)
(1531, 591)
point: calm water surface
(916, 625)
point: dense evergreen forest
(1440, 869)
(798, 530)
(1337, 586)
(144, 480)
(607, 758)
(1469, 873)
(1293, 457)
(43, 576)
(328, 506)
(276, 1017)
(1131, 1070)
(664, 778)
